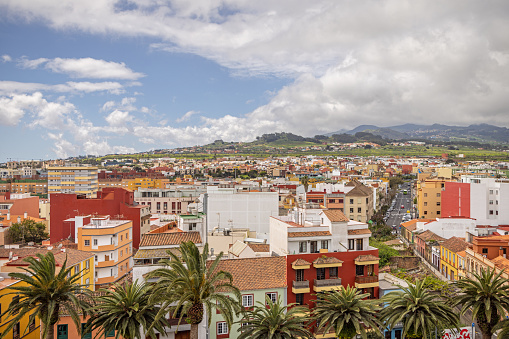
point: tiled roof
(360, 190)
(358, 232)
(335, 215)
(164, 239)
(501, 262)
(429, 235)
(156, 253)
(308, 234)
(455, 244)
(256, 273)
(368, 257)
(300, 262)
(327, 260)
(260, 247)
(73, 256)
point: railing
(301, 284)
(366, 280)
(327, 282)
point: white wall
(278, 239)
(449, 227)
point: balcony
(301, 287)
(365, 282)
(327, 285)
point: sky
(106, 76)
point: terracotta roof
(308, 234)
(156, 253)
(260, 247)
(455, 244)
(256, 273)
(360, 190)
(66, 243)
(429, 235)
(501, 262)
(368, 257)
(73, 256)
(165, 239)
(335, 215)
(327, 260)
(410, 225)
(300, 262)
(358, 232)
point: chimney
(9, 215)
(25, 215)
(19, 219)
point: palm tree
(344, 311)
(487, 295)
(420, 311)
(127, 309)
(189, 286)
(45, 293)
(305, 181)
(274, 321)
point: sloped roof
(359, 232)
(327, 260)
(156, 253)
(455, 244)
(335, 215)
(166, 239)
(256, 273)
(300, 262)
(501, 263)
(368, 257)
(429, 235)
(73, 256)
(260, 247)
(360, 190)
(308, 234)
(237, 248)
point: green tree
(274, 321)
(385, 252)
(189, 286)
(28, 230)
(129, 310)
(344, 311)
(421, 311)
(45, 293)
(486, 294)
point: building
(450, 260)
(388, 284)
(111, 242)
(37, 187)
(73, 179)
(424, 241)
(167, 201)
(117, 202)
(359, 202)
(257, 279)
(429, 200)
(491, 246)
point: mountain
(473, 133)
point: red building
(310, 273)
(455, 200)
(116, 202)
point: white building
(489, 200)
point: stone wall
(407, 262)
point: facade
(73, 178)
(429, 201)
(424, 242)
(359, 202)
(116, 202)
(388, 284)
(491, 246)
(450, 258)
(257, 279)
(167, 201)
(39, 187)
(111, 243)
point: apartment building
(358, 203)
(39, 187)
(452, 255)
(167, 201)
(429, 200)
(111, 242)
(73, 178)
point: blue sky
(101, 77)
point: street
(395, 212)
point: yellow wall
(449, 261)
(5, 300)
(134, 184)
(429, 195)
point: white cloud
(84, 68)
(118, 118)
(11, 87)
(186, 116)
(6, 58)
(12, 108)
(62, 147)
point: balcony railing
(366, 280)
(327, 282)
(301, 284)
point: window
(314, 246)
(325, 244)
(272, 296)
(359, 210)
(351, 244)
(83, 334)
(127, 236)
(438, 203)
(425, 195)
(87, 264)
(87, 282)
(359, 244)
(438, 195)
(484, 251)
(121, 253)
(299, 275)
(351, 210)
(76, 269)
(111, 333)
(491, 202)
(95, 242)
(491, 191)
(192, 226)
(62, 332)
(320, 273)
(425, 203)
(351, 201)
(15, 331)
(87, 242)
(31, 325)
(425, 212)
(247, 300)
(333, 272)
(121, 237)
(15, 301)
(96, 258)
(303, 246)
(222, 328)
(299, 298)
(438, 212)
(491, 212)
(359, 270)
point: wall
(455, 200)
(405, 262)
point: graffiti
(464, 333)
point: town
(283, 231)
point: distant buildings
(73, 178)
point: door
(314, 247)
(183, 335)
(62, 331)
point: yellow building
(134, 184)
(429, 194)
(23, 329)
(73, 178)
(452, 255)
(111, 243)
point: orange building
(491, 246)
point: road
(396, 213)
